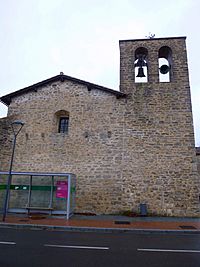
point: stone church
(126, 147)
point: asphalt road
(70, 249)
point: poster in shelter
(61, 189)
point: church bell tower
(159, 133)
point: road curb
(94, 229)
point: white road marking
(76, 247)
(168, 250)
(7, 243)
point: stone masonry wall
(159, 138)
(5, 141)
(126, 151)
(198, 159)
(92, 149)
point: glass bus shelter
(32, 192)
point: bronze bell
(164, 69)
(140, 72)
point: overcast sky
(40, 38)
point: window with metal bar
(63, 125)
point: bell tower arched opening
(141, 65)
(165, 64)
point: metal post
(29, 194)
(68, 196)
(51, 197)
(10, 170)
(9, 181)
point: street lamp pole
(16, 128)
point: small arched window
(165, 63)
(63, 125)
(141, 65)
(62, 118)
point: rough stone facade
(125, 149)
(198, 160)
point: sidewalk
(103, 223)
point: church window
(61, 121)
(63, 125)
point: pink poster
(61, 189)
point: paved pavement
(103, 223)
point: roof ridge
(6, 99)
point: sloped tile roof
(6, 99)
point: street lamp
(16, 128)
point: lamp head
(17, 126)
(17, 122)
